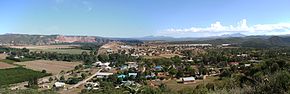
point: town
(135, 68)
(144, 47)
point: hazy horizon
(129, 18)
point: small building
(132, 65)
(97, 63)
(103, 74)
(121, 76)
(243, 55)
(59, 84)
(158, 68)
(132, 74)
(201, 76)
(225, 45)
(186, 80)
(92, 85)
(247, 65)
(124, 67)
(162, 74)
(190, 60)
(150, 76)
(234, 63)
(104, 66)
(44, 86)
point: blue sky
(137, 18)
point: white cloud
(241, 27)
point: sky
(137, 18)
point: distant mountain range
(247, 41)
(167, 38)
(235, 39)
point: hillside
(25, 39)
(251, 41)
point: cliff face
(71, 39)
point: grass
(65, 51)
(12, 62)
(7, 61)
(17, 75)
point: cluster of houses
(154, 49)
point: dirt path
(84, 81)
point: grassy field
(53, 67)
(65, 51)
(17, 75)
(7, 61)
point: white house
(247, 65)
(59, 84)
(186, 80)
(103, 74)
(104, 66)
(132, 64)
(92, 85)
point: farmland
(64, 51)
(67, 49)
(5, 65)
(19, 74)
(53, 67)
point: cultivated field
(17, 75)
(45, 46)
(53, 67)
(68, 49)
(64, 51)
(5, 65)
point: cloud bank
(242, 27)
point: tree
(173, 72)
(103, 58)
(62, 79)
(225, 73)
(50, 79)
(77, 67)
(43, 71)
(83, 75)
(33, 83)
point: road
(84, 81)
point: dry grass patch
(5, 65)
(169, 55)
(53, 67)
(2, 56)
